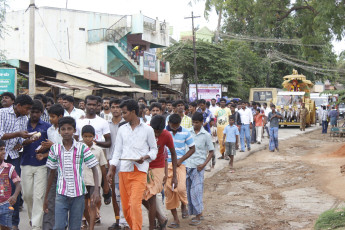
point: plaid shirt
(186, 122)
(10, 123)
(45, 116)
(70, 167)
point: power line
(291, 41)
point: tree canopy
(263, 40)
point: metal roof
(77, 71)
(129, 90)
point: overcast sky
(173, 11)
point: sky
(172, 11)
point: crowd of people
(58, 159)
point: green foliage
(331, 219)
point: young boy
(68, 158)
(7, 174)
(181, 137)
(56, 112)
(230, 141)
(88, 135)
(195, 167)
(158, 171)
(259, 124)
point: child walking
(88, 135)
(259, 124)
(231, 140)
(68, 159)
(7, 173)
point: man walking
(273, 118)
(247, 124)
(135, 148)
(303, 117)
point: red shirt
(165, 139)
(258, 119)
(7, 173)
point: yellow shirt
(222, 116)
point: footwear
(259, 143)
(242, 151)
(277, 149)
(232, 171)
(272, 151)
(98, 220)
(107, 197)
(185, 215)
(174, 225)
(249, 149)
(163, 225)
(115, 226)
(201, 218)
(227, 158)
(222, 157)
(194, 222)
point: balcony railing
(149, 23)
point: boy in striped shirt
(68, 159)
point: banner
(8, 80)
(149, 62)
(205, 91)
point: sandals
(185, 215)
(163, 225)
(174, 225)
(195, 222)
(107, 197)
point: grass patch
(331, 219)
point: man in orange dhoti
(174, 197)
(135, 147)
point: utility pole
(194, 51)
(32, 74)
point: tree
(312, 22)
(232, 64)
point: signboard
(8, 80)
(205, 91)
(149, 62)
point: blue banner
(8, 81)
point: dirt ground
(285, 190)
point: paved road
(107, 213)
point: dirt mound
(338, 153)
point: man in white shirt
(267, 110)
(135, 148)
(70, 110)
(247, 121)
(101, 126)
(213, 107)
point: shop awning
(128, 90)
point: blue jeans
(15, 216)
(245, 132)
(324, 126)
(273, 138)
(68, 210)
(6, 215)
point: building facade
(117, 45)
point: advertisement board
(149, 62)
(8, 80)
(205, 91)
